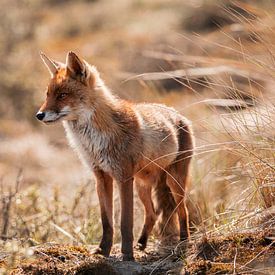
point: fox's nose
(40, 115)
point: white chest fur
(90, 145)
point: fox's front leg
(104, 187)
(126, 223)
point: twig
(235, 258)
(60, 229)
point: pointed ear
(75, 66)
(51, 65)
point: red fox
(150, 145)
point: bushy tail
(167, 225)
(164, 204)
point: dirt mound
(237, 253)
(62, 259)
(66, 259)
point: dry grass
(220, 77)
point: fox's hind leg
(144, 192)
(177, 179)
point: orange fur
(148, 144)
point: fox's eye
(61, 96)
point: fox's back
(159, 126)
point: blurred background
(212, 60)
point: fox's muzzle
(49, 116)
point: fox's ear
(75, 66)
(51, 65)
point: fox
(143, 145)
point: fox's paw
(140, 246)
(100, 251)
(126, 257)
(142, 242)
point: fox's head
(70, 88)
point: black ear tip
(71, 53)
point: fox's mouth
(55, 120)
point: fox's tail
(164, 204)
(163, 197)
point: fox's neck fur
(98, 111)
(100, 105)
(102, 123)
